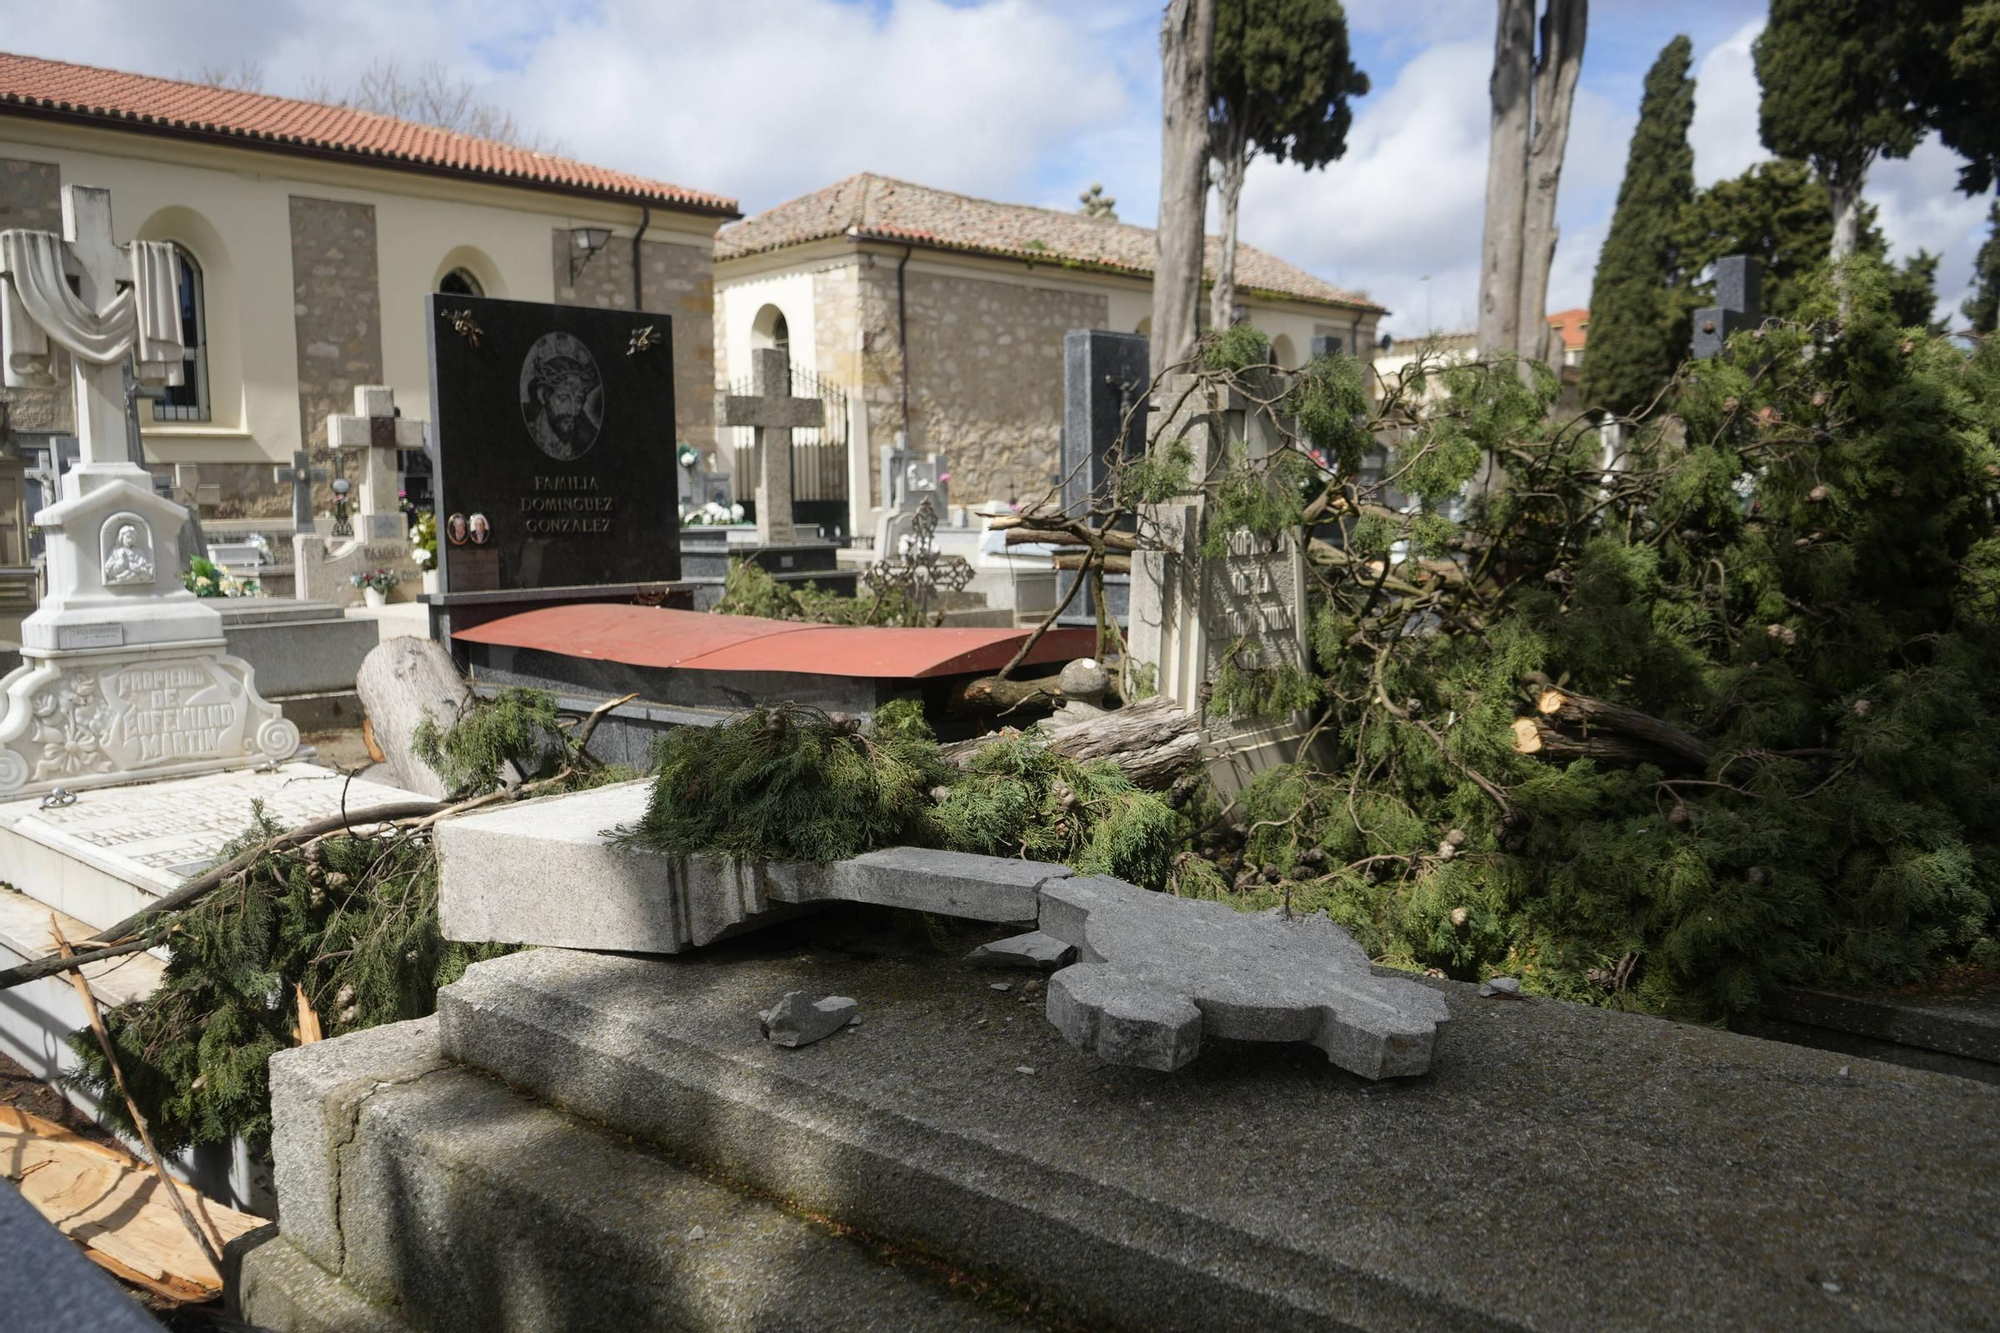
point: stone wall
(985, 369)
(337, 301)
(986, 378)
(31, 197)
(679, 282)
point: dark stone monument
(1104, 375)
(556, 464)
(1739, 304)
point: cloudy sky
(1025, 100)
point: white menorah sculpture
(124, 675)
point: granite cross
(302, 476)
(378, 430)
(1739, 283)
(774, 414)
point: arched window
(771, 329)
(1283, 353)
(460, 282)
(188, 400)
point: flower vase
(375, 598)
(430, 583)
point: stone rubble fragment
(1032, 950)
(797, 1021)
(1501, 988)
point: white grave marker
(124, 673)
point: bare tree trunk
(1843, 187)
(1512, 90)
(1231, 163)
(1556, 71)
(1187, 50)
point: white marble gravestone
(324, 566)
(124, 673)
(1190, 613)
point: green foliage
(793, 784)
(1236, 348)
(1845, 80)
(1281, 79)
(1913, 291)
(1798, 565)
(1638, 328)
(1248, 686)
(788, 783)
(1778, 213)
(1329, 406)
(1982, 308)
(350, 922)
(749, 590)
(517, 727)
(1257, 499)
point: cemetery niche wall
(556, 464)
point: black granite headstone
(1105, 376)
(1739, 304)
(556, 463)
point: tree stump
(400, 682)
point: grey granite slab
(547, 872)
(1559, 1167)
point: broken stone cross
(774, 414)
(378, 430)
(1739, 283)
(302, 476)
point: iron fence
(819, 454)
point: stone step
(1560, 1167)
(441, 1197)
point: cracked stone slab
(1034, 950)
(550, 872)
(1157, 973)
(317, 1093)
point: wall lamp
(585, 242)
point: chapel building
(309, 236)
(942, 316)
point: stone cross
(1739, 295)
(302, 476)
(99, 262)
(774, 414)
(378, 430)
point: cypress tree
(1984, 304)
(1637, 330)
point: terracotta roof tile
(878, 208)
(1573, 324)
(130, 100)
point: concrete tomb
(124, 672)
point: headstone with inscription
(556, 462)
(124, 673)
(1192, 615)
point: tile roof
(1572, 324)
(874, 207)
(137, 101)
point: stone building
(942, 317)
(309, 236)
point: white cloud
(1724, 133)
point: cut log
(400, 682)
(1115, 541)
(1153, 742)
(115, 1207)
(1533, 735)
(991, 694)
(1582, 715)
(1113, 564)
